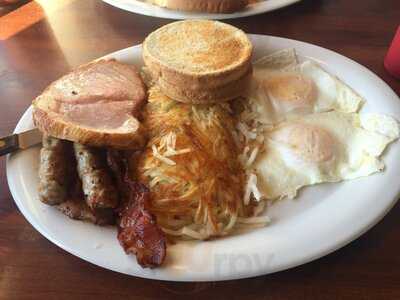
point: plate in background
(322, 219)
(140, 7)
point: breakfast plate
(140, 7)
(321, 220)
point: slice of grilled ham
(97, 104)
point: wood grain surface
(45, 39)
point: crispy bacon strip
(118, 164)
(138, 232)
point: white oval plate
(140, 7)
(323, 219)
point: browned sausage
(54, 170)
(97, 183)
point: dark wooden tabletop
(38, 43)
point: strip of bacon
(138, 232)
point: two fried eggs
(314, 133)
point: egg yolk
(291, 88)
(312, 144)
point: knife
(20, 141)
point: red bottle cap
(392, 60)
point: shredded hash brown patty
(191, 167)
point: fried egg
(322, 147)
(283, 87)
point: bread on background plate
(97, 104)
(199, 61)
(209, 6)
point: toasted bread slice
(97, 104)
(210, 6)
(218, 94)
(197, 56)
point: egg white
(282, 87)
(322, 147)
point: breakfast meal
(200, 141)
(209, 6)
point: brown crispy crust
(207, 81)
(77, 209)
(210, 6)
(223, 93)
(54, 125)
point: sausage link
(54, 170)
(97, 183)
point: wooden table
(38, 44)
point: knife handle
(8, 144)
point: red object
(392, 60)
